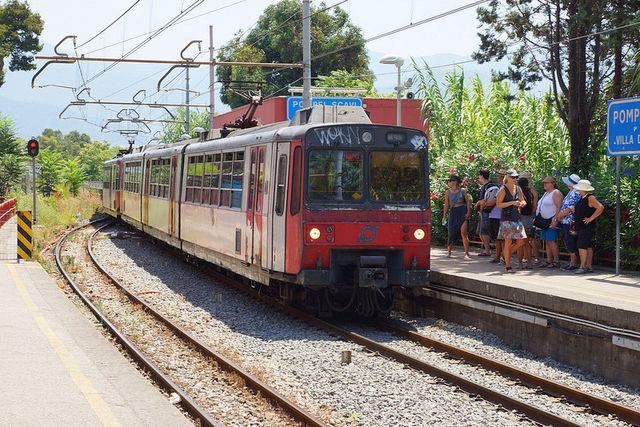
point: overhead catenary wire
(111, 24)
(157, 32)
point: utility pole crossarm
(70, 60)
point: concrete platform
(58, 369)
(600, 296)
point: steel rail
(532, 412)
(192, 407)
(289, 406)
(576, 396)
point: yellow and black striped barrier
(25, 234)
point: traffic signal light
(33, 147)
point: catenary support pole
(306, 54)
(186, 119)
(617, 215)
(211, 79)
(399, 100)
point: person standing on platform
(565, 216)
(494, 217)
(484, 228)
(531, 238)
(458, 199)
(511, 200)
(548, 207)
(586, 210)
(526, 217)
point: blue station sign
(623, 127)
(294, 103)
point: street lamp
(398, 61)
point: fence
(8, 230)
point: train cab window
(252, 183)
(280, 184)
(335, 175)
(395, 176)
(296, 181)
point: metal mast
(306, 54)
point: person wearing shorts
(494, 220)
(548, 207)
(586, 211)
(510, 199)
(565, 216)
(484, 229)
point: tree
(19, 31)
(73, 175)
(49, 171)
(92, 157)
(277, 37)
(172, 132)
(12, 156)
(571, 44)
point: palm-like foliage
(49, 172)
(73, 175)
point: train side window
(106, 180)
(296, 181)
(280, 184)
(238, 177)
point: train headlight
(314, 233)
(419, 234)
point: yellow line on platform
(99, 406)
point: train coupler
(372, 272)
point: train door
(106, 187)
(254, 204)
(278, 217)
(172, 195)
(116, 185)
(145, 192)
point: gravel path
(222, 394)
(304, 363)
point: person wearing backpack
(495, 215)
(526, 217)
(484, 227)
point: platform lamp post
(398, 61)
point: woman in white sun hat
(586, 211)
(565, 216)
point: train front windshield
(356, 176)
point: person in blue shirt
(565, 216)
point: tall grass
(56, 213)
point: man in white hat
(565, 216)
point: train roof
(295, 129)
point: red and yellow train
(328, 210)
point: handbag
(541, 223)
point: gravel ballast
(304, 363)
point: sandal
(483, 254)
(545, 264)
(509, 270)
(552, 265)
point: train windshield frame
(350, 166)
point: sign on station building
(294, 103)
(623, 127)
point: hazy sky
(455, 34)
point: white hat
(512, 172)
(583, 185)
(571, 180)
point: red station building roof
(381, 111)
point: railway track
(534, 413)
(201, 416)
